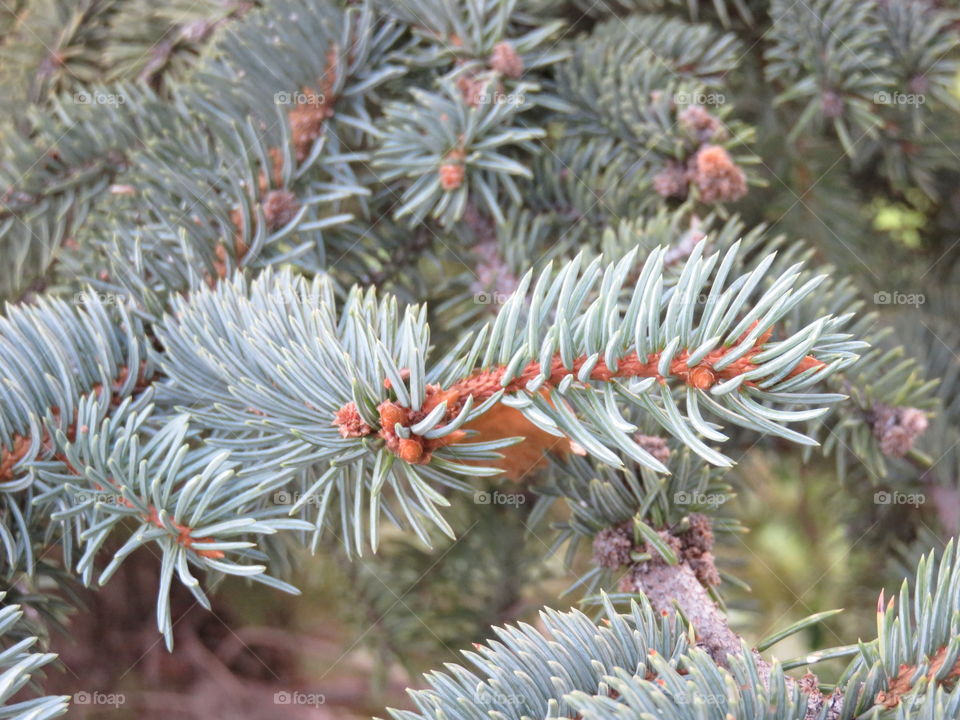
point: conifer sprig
(582, 344)
(219, 397)
(189, 503)
(359, 407)
(452, 149)
(642, 662)
(19, 663)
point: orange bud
(410, 450)
(435, 396)
(391, 414)
(701, 377)
(452, 175)
(806, 363)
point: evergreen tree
(403, 282)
